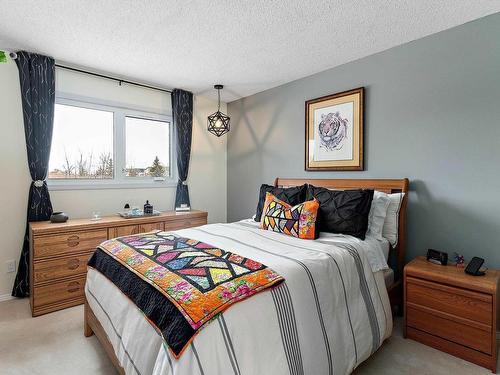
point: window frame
(119, 180)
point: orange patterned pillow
(297, 221)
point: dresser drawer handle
(73, 240)
(187, 223)
(73, 287)
(73, 264)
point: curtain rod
(120, 81)
(13, 56)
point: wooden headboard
(396, 255)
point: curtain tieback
(38, 183)
(184, 183)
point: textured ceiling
(249, 46)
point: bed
(332, 312)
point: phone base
(478, 273)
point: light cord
(218, 102)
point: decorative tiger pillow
(296, 221)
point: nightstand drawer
(47, 270)
(459, 333)
(459, 302)
(62, 244)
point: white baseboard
(5, 297)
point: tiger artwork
(333, 131)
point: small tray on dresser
(452, 311)
(130, 215)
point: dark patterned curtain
(182, 110)
(36, 75)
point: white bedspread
(331, 313)
(377, 251)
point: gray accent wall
(432, 114)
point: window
(96, 145)
(147, 145)
(82, 143)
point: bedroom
(391, 107)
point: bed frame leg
(396, 298)
(87, 330)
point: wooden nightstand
(451, 311)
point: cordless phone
(474, 266)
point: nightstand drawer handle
(73, 287)
(73, 264)
(73, 240)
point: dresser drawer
(184, 223)
(47, 270)
(466, 335)
(58, 292)
(459, 302)
(143, 228)
(68, 243)
(126, 230)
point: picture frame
(334, 126)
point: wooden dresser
(451, 311)
(59, 253)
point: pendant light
(218, 122)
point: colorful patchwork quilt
(198, 279)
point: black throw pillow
(342, 211)
(292, 195)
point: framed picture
(334, 132)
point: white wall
(14, 172)
(207, 173)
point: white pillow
(377, 215)
(391, 223)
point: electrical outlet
(11, 266)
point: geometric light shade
(218, 122)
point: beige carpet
(54, 344)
